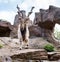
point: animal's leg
(25, 44)
(27, 36)
(20, 43)
(19, 36)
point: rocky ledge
(11, 50)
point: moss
(49, 48)
(1, 45)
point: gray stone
(46, 20)
(5, 28)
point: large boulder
(5, 28)
(48, 18)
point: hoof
(26, 47)
(20, 48)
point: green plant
(49, 48)
(1, 45)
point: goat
(23, 31)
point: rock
(38, 43)
(13, 33)
(53, 55)
(5, 28)
(35, 43)
(8, 41)
(26, 54)
(50, 16)
(34, 31)
(46, 20)
(31, 54)
(35, 51)
(5, 59)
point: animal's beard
(23, 32)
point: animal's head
(23, 22)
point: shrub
(49, 48)
(1, 45)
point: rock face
(34, 31)
(5, 28)
(46, 20)
(13, 33)
(51, 15)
